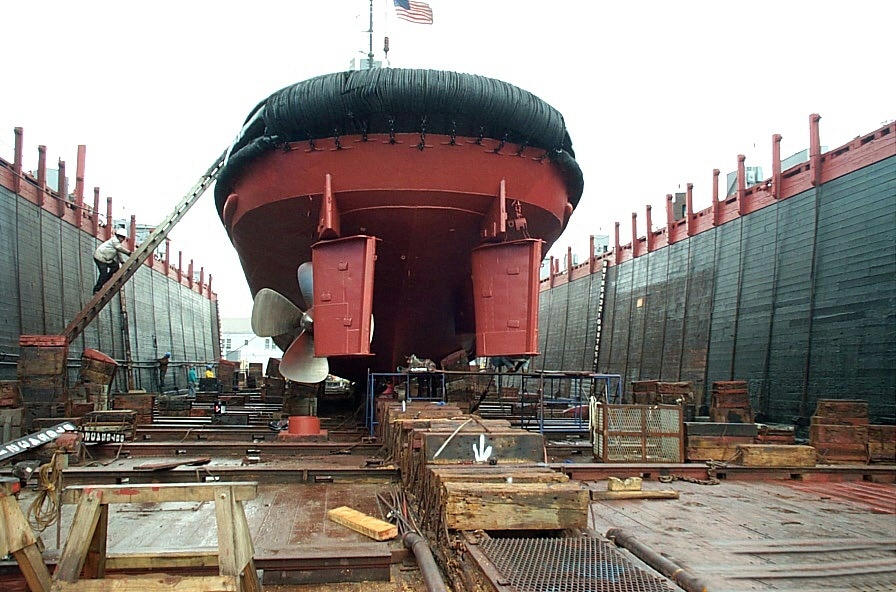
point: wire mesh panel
(583, 564)
(645, 433)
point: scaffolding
(546, 402)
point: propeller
(275, 315)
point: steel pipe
(685, 580)
(432, 577)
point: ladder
(143, 251)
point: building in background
(240, 344)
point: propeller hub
(307, 322)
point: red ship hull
(437, 237)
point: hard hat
(121, 232)
(209, 366)
(167, 354)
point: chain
(392, 139)
(711, 467)
(422, 143)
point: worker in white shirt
(108, 255)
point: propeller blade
(306, 283)
(274, 314)
(299, 364)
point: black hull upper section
(395, 101)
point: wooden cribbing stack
(730, 402)
(839, 431)
(467, 474)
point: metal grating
(646, 433)
(583, 564)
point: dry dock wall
(797, 298)
(47, 275)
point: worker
(163, 369)
(108, 255)
(209, 372)
(192, 380)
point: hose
(432, 577)
(685, 580)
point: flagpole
(370, 31)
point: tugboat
(385, 213)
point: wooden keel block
(775, 455)
(627, 484)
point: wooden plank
(516, 506)
(774, 455)
(161, 560)
(95, 564)
(234, 541)
(164, 466)
(15, 532)
(624, 495)
(718, 441)
(74, 554)
(154, 583)
(16, 537)
(154, 493)
(34, 569)
(374, 528)
(224, 519)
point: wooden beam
(155, 583)
(235, 548)
(80, 537)
(619, 495)
(16, 537)
(154, 493)
(160, 560)
(375, 528)
(95, 563)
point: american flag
(415, 12)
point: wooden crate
(41, 356)
(773, 455)
(822, 434)
(273, 369)
(11, 421)
(730, 399)
(731, 415)
(882, 443)
(840, 408)
(141, 404)
(10, 393)
(42, 389)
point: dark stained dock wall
(798, 298)
(46, 276)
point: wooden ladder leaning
(84, 553)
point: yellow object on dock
(378, 530)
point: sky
(654, 94)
